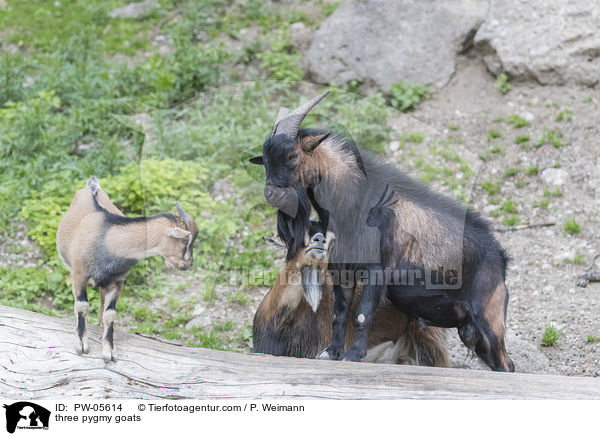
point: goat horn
(381, 200)
(288, 122)
(182, 214)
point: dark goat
(294, 318)
(451, 268)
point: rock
(394, 145)
(555, 176)
(386, 41)
(135, 10)
(301, 36)
(550, 42)
(201, 318)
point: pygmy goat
(294, 318)
(434, 260)
(98, 244)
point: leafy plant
(406, 96)
(501, 83)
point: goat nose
(318, 238)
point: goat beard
(292, 230)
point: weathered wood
(38, 360)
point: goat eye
(292, 157)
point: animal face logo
(26, 415)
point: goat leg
(81, 308)
(373, 290)
(343, 299)
(108, 344)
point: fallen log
(38, 360)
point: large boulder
(386, 41)
(551, 41)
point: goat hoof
(82, 347)
(353, 356)
(323, 355)
(330, 353)
(109, 355)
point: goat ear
(177, 232)
(274, 241)
(309, 143)
(257, 160)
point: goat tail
(94, 185)
(428, 345)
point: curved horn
(382, 198)
(288, 122)
(183, 214)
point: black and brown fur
(286, 325)
(425, 231)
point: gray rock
(386, 41)
(201, 318)
(135, 10)
(555, 176)
(301, 36)
(550, 41)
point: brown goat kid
(294, 318)
(98, 244)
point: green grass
(490, 187)
(533, 170)
(493, 134)
(571, 227)
(577, 259)
(522, 139)
(65, 113)
(551, 336)
(552, 137)
(517, 121)
(511, 172)
(565, 115)
(592, 339)
(510, 220)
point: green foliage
(493, 134)
(571, 226)
(490, 187)
(511, 172)
(551, 336)
(517, 121)
(415, 137)
(406, 96)
(553, 137)
(577, 259)
(533, 170)
(281, 61)
(510, 220)
(509, 206)
(521, 139)
(329, 7)
(565, 115)
(592, 339)
(501, 84)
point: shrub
(406, 96)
